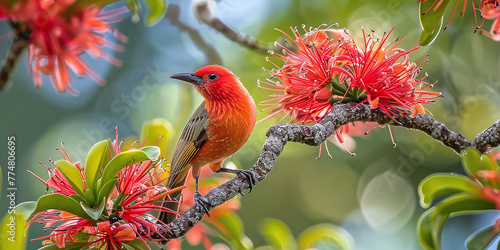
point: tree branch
(278, 135)
(204, 13)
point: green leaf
(94, 213)
(424, 230)
(98, 156)
(106, 189)
(480, 239)
(128, 158)
(77, 198)
(328, 236)
(278, 234)
(72, 174)
(60, 202)
(431, 223)
(156, 11)
(443, 184)
(473, 161)
(135, 244)
(135, 9)
(90, 198)
(25, 209)
(13, 228)
(432, 21)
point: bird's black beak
(188, 77)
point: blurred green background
(372, 195)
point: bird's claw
(202, 201)
(251, 181)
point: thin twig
(204, 14)
(18, 45)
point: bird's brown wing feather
(192, 139)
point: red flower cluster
(326, 66)
(136, 193)
(58, 33)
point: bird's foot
(246, 173)
(249, 176)
(202, 201)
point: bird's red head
(215, 83)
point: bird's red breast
(231, 114)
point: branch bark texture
(314, 135)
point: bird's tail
(173, 202)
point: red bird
(218, 128)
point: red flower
(135, 207)
(110, 236)
(385, 73)
(490, 10)
(56, 180)
(306, 72)
(58, 32)
(69, 226)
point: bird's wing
(192, 139)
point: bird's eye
(213, 76)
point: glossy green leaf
(106, 189)
(230, 229)
(60, 202)
(326, 236)
(77, 198)
(135, 9)
(13, 228)
(437, 185)
(72, 174)
(424, 230)
(432, 21)
(94, 213)
(278, 235)
(157, 133)
(135, 244)
(127, 158)
(25, 209)
(474, 161)
(480, 239)
(90, 198)
(98, 156)
(156, 11)
(431, 223)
